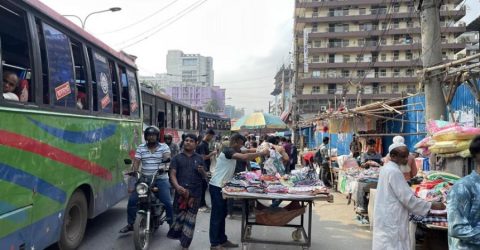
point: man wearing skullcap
(394, 201)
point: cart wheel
(248, 232)
(297, 235)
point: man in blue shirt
(463, 207)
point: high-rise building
(209, 99)
(353, 52)
(189, 69)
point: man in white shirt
(10, 82)
(224, 171)
(394, 201)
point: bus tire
(74, 222)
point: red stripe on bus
(37, 147)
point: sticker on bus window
(63, 90)
(105, 101)
(104, 83)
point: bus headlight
(142, 188)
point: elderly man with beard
(394, 201)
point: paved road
(333, 229)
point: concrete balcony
(372, 96)
(352, 65)
(373, 47)
(339, 3)
(307, 78)
(330, 33)
(455, 14)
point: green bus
(64, 141)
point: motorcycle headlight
(142, 188)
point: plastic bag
(445, 147)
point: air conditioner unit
(323, 108)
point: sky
(249, 40)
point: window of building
(317, 44)
(396, 8)
(396, 24)
(316, 74)
(408, 55)
(345, 73)
(396, 55)
(315, 89)
(383, 89)
(360, 58)
(383, 41)
(409, 72)
(384, 25)
(189, 62)
(346, 58)
(361, 42)
(383, 57)
(361, 73)
(383, 72)
(396, 72)
(14, 51)
(444, 38)
(396, 39)
(409, 24)
(411, 88)
(316, 59)
(395, 88)
(362, 11)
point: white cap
(398, 139)
(395, 145)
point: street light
(113, 9)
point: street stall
(301, 188)
(446, 146)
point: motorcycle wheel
(141, 238)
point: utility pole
(432, 55)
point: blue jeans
(217, 217)
(163, 195)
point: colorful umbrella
(259, 120)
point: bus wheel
(74, 222)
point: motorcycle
(151, 212)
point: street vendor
(371, 158)
(224, 171)
(463, 207)
(394, 201)
(410, 169)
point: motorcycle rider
(150, 155)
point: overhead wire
(163, 25)
(141, 20)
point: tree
(212, 106)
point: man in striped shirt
(150, 155)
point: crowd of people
(190, 176)
(192, 172)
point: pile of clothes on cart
(300, 181)
(434, 187)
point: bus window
(125, 96)
(80, 76)
(15, 53)
(188, 124)
(180, 117)
(101, 82)
(115, 87)
(161, 117)
(133, 94)
(169, 115)
(175, 120)
(147, 114)
(61, 73)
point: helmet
(151, 130)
